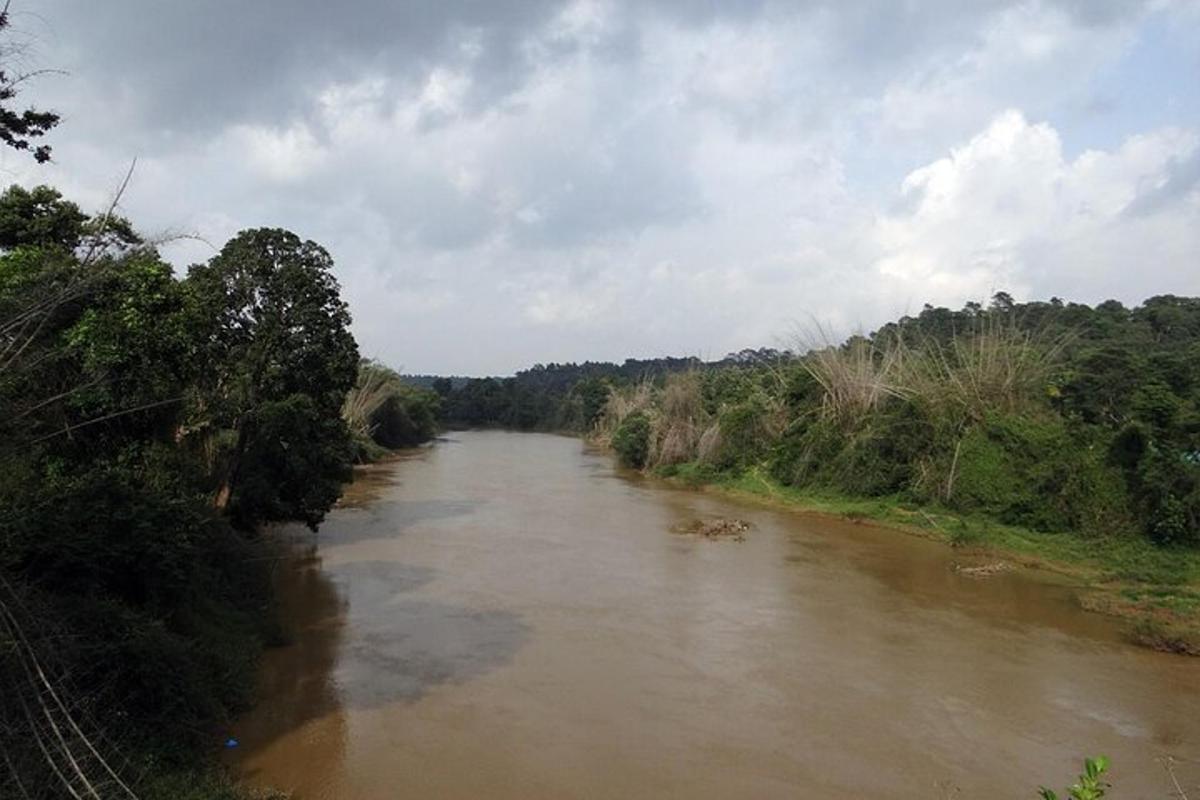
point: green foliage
(406, 418)
(1033, 472)
(272, 322)
(39, 217)
(295, 460)
(1168, 495)
(632, 440)
(147, 425)
(19, 126)
(383, 412)
(1090, 786)
(272, 328)
(196, 785)
(880, 458)
(593, 394)
(964, 534)
(560, 397)
(692, 473)
(745, 433)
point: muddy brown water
(509, 616)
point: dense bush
(562, 397)
(745, 433)
(147, 425)
(632, 440)
(383, 412)
(1032, 471)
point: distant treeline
(562, 397)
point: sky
(510, 182)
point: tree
(88, 349)
(17, 127)
(594, 394)
(275, 350)
(39, 217)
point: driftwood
(721, 528)
(982, 570)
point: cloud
(1008, 210)
(284, 155)
(517, 181)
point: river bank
(1156, 590)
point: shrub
(632, 440)
(384, 413)
(1036, 472)
(1091, 784)
(804, 449)
(745, 433)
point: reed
(856, 377)
(678, 428)
(996, 368)
(375, 385)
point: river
(509, 615)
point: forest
(151, 426)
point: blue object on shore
(231, 742)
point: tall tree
(278, 359)
(18, 126)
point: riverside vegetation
(149, 427)
(1059, 434)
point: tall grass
(619, 405)
(856, 377)
(682, 422)
(375, 385)
(676, 413)
(996, 368)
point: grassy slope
(1157, 589)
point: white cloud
(1008, 210)
(279, 154)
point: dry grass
(676, 412)
(677, 430)
(709, 447)
(856, 376)
(998, 367)
(375, 384)
(620, 404)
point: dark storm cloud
(194, 66)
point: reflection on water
(399, 647)
(505, 616)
